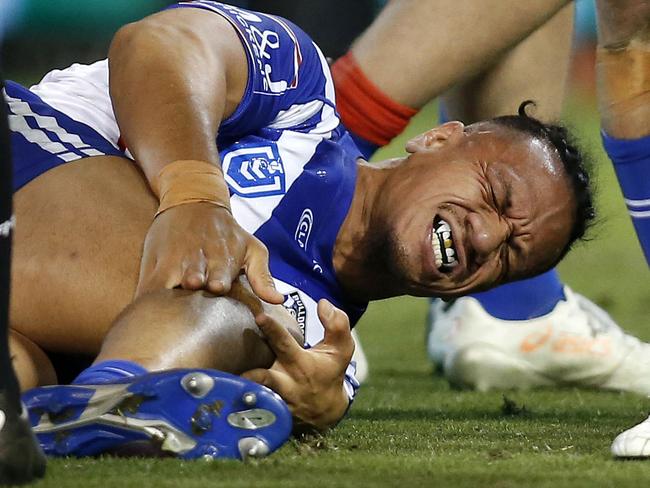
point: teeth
(437, 252)
(444, 254)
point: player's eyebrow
(505, 185)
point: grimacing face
(504, 195)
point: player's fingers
(278, 337)
(156, 278)
(147, 263)
(243, 294)
(221, 273)
(267, 377)
(278, 382)
(256, 267)
(194, 272)
(259, 375)
(337, 328)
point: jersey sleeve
(351, 383)
(288, 77)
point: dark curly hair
(576, 165)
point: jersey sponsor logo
(303, 230)
(295, 306)
(254, 171)
(6, 226)
(262, 43)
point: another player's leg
(90, 265)
(20, 458)
(439, 42)
(623, 70)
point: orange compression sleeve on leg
(365, 110)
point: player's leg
(441, 42)
(154, 362)
(86, 255)
(445, 42)
(20, 459)
(77, 251)
(182, 329)
(536, 69)
(623, 70)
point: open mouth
(442, 242)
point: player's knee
(31, 364)
(181, 328)
(181, 310)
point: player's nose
(485, 235)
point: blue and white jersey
(289, 163)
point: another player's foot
(359, 357)
(21, 459)
(575, 344)
(191, 413)
(634, 442)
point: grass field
(408, 428)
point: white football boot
(360, 357)
(634, 442)
(577, 343)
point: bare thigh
(443, 42)
(536, 69)
(78, 242)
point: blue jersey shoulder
(285, 68)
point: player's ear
(435, 137)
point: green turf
(408, 427)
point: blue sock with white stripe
(521, 300)
(631, 158)
(109, 372)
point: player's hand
(201, 246)
(310, 381)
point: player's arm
(174, 77)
